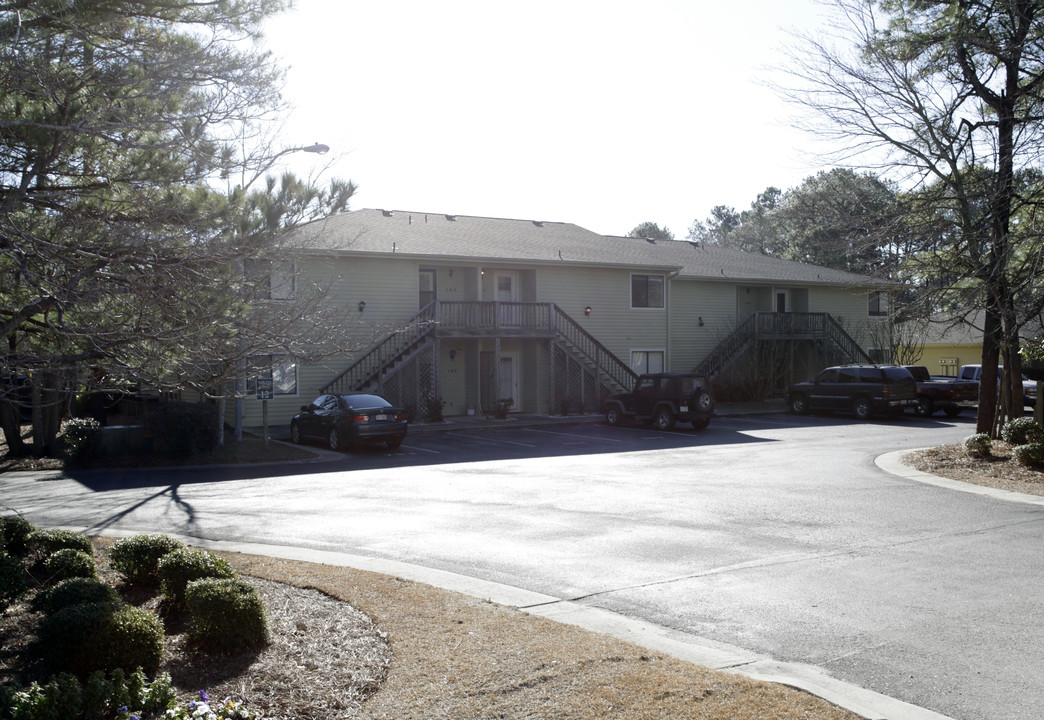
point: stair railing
(380, 356)
(609, 366)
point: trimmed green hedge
(225, 615)
(49, 542)
(180, 429)
(69, 563)
(180, 567)
(73, 591)
(137, 558)
(102, 636)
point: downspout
(670, 329)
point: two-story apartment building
(548, 317)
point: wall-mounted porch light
(362, 305)
(587, 311)
(700, 320)
(453, 354)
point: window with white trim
(647, 361)
(647, 291)
(281, 369)
(275, 279)
(877, 303)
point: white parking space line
(564, 434)
(414, 447)
(494, 442)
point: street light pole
(317, 149)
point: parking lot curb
(892, 463)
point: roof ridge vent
(386, 213)
(451, 218)
(538, 223)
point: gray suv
(865, 390)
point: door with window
(509, 380)
(427, 287)
(505, 289)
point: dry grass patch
(997, 470)
(460, 657)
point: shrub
(12, 580)
(63, 698)
(180, 429)
(1022, 431)
(137, 558)
(180, 567)
(80, 438)
(979, 444)
(14, 534)
(1029, 454)
(104, 636)
(73, 591)
(225, 615)
(69, 563)
(51, 541)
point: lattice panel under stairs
(576, 388)
(412, 386)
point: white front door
(505, 290)
(508, 378)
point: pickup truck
(1029, 387)
(664, 399)
(937, 392)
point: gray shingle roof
(465, 237)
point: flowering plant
(202, 709)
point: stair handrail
(385, 351)
(607, 363)
(729, 346)
(837, 333)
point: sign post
(264, 394)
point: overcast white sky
(601, 113)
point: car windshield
(364, 401)
(897, 373)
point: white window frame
(268, 366)
(877, 303)
(276, 279)
(640, 360)
(663, 291)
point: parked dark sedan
(352, 419)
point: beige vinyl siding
(691, 300)
(390, 288)
(618, 326)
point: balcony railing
(493, 317)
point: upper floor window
(282, 369)
(647, 291)
(877, 303)
(276, 279)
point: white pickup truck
(1029, 387)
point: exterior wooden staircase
(830, 338)
(580, 358)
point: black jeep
(664, 399)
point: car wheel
(925, 407)
(612, 416)
(700, 424)
(295, 434)
(664, 419)
(799, 404)
(862, 408)
(952, 411)
(393, 445)
(335, 439)
(704, 402)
